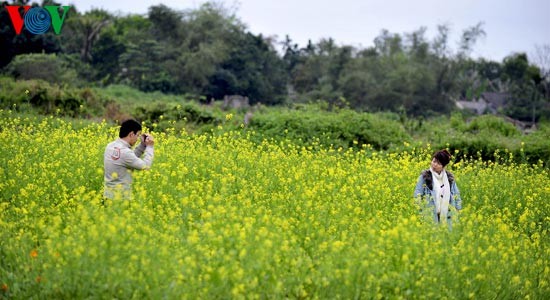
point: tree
(417, 45)
(469, 38)
(388, 44)
(141, 69)
(527, 99)
(106, 55)
(206, 35)
(82, 31)
(292, 55)
(166, 23)
(541, 58)
(253, 69)
(440, 45)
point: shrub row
(486, 137)
(48, 98)
(345, 128)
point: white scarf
(442, 191)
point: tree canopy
(210, 53)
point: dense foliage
(310, 125)
(209, 53)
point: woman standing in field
(436, 188)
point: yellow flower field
(219, 217)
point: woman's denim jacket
(424, 191)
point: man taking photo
(119, 159)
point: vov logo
(37, 20)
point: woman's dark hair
(443, 157)
(128, 126)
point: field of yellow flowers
(219, 217)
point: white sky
(510, 25)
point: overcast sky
(510, 25)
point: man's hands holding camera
(147, 139)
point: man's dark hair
(128, 126)
(443, 156)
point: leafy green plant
(47, 67)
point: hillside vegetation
(208, 53)
(314, 125)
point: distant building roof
(496, 100)
(487, 102)
(477, 106)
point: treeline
(209, 53)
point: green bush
(487, 137)
(344, 128)
(47, 98)
(189, 112)
(47, 67)
(537, 145)
(492, 124)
